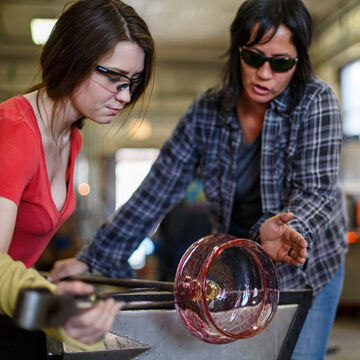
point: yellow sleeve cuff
(59, 333)
(14, 276)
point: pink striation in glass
(226, 289)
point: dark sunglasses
(256, 60)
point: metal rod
(133, 283)
(158, 296)
(145, 305)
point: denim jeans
(314, 336)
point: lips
(114, 111)
(261, 90)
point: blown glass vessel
(226, 289)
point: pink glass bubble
(226, 289)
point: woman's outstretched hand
(281, 242)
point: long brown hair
(85, 31)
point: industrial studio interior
(191, 37)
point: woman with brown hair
(98, 60)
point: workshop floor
(344, 343)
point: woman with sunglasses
(97, 61)
(267, 145)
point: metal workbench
(159, 334)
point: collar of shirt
(282, 103)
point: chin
(107, 120)
(102, 120)
(262, 100)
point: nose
(265, 71)
(123, 96)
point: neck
(251, 116)
(247, 106)
(55, 125)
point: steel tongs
(38, 308)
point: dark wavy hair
(85, 31)
(269, 14)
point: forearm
(117, 239)
(14, 276)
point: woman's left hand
(281, 242)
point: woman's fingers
(74, 287)
(91, 325)
(297, 244)
(68, 267)
(284, 217)
(295, 256)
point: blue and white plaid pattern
(299, 172)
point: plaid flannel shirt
(299, 172)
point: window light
(41, 29)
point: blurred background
(191, 37)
